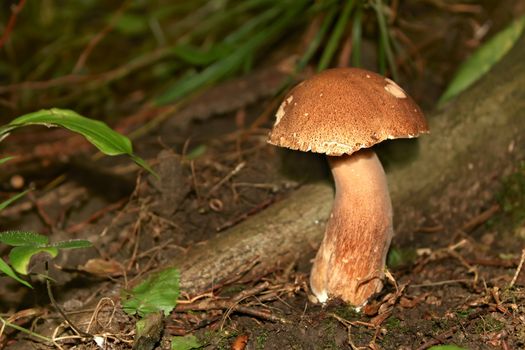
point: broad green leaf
(9, 201)
(23, 239)
(186, 342)
(72, 244)
(482, 60)
(20, 257)
(157, 293)
(98, 133)
(446, 347)
(5, 268)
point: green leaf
(8, 202)
(23, 239)
(446, 347)
(98, 133)
(482, 60)
(5, 268)
(20, 257)
(72, 244)
(186, 342)
(158, 293)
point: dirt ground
(457, 284)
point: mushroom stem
(352, 256)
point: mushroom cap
(341, 110)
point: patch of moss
(219, 339)
(464, 313)
(511, 198)
(260, 340)
(488, 324)
(329, 331)
(347, 312)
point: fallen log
(474, 141)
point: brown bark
(473, 142)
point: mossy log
(473, 142)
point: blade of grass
(5, 268)
(316, 42)
(9, 201)
(231, 63)
(357, 31)
(385, 50)
(335, 38)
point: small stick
(480, 219)
(518, 270)
(227, 177)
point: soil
(446, 285)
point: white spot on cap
(368, 76)
(394, 89)
(306, 114)
(280, 112)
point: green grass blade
(385, 49)
(229, 64)
(335, 38)
(5, 160)
(357, 33)
(317, 40)
(5, 268)
(9, 201)
(482, 60)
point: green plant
(482, 60)
(157, 293)
(28, 244)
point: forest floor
(447, 284)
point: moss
(511, 198)
(487, 325)
(347, 312)
(260, 340)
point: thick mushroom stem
(352, 256)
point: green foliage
(512, 196)
(28, 244)
(9, 201)
(157, 293)
(186, 342)
(482, 60)
(398, 257)
(98, 133)
(5, 268)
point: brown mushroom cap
(342, 110)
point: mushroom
(342, 112)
